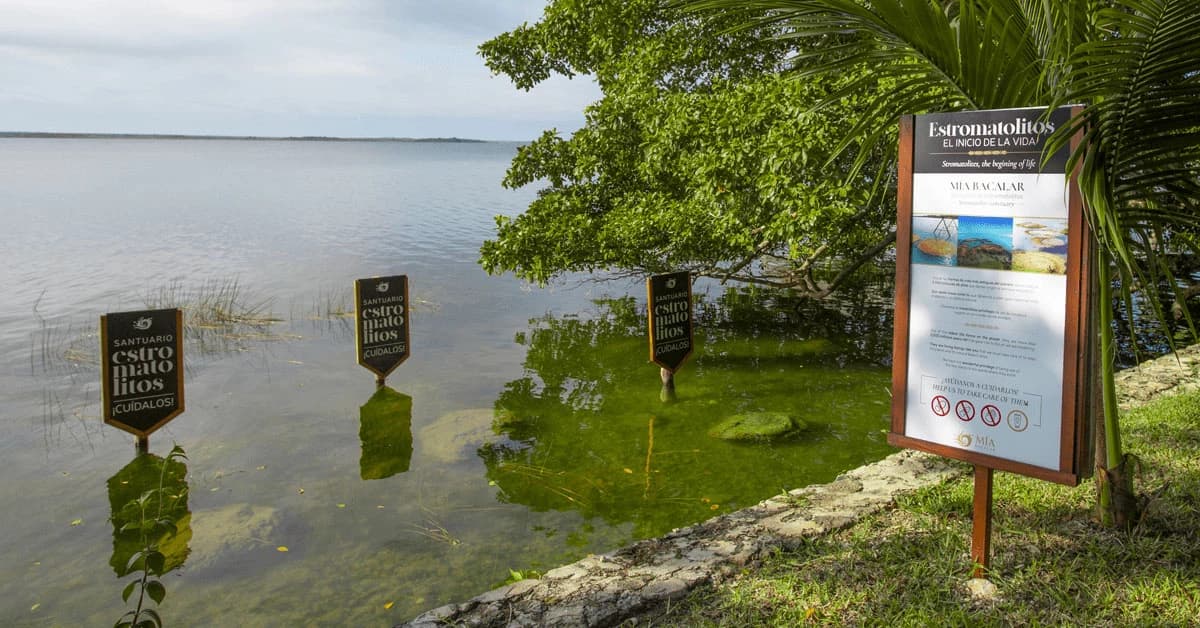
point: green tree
(699, 156)
(1133, 63)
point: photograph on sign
(669, 308)
(987, 286)
(141, 368)
(381, 322)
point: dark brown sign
(669, 307)
(381, 322)
(141, 365)
(1004, 141)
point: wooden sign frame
(1073, 445)
(361, 337)
(666, 296)
(107, 358)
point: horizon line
(189, 136)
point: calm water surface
(525, 431)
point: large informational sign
(990, 318)
(141, 366)
(381, 322)
(669, 299)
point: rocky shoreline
(635, 581)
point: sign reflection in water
(385, 429)
(151, 522)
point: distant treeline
(167, 136)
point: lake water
(525, 431)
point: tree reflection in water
(587, 431)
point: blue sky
(272, 67)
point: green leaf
(128, 591)
(153, 617)
(155, 562)
(156, 591)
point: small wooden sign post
(141, 370)
(990, 354)
(381, 329)
(669, 309)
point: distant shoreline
(171, 136)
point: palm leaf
(1141, 84)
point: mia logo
(670, 284)
(964, 439)
(383, 287)
(143, 323)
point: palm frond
(1142, 87)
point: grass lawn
(1051, 563)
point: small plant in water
(152, 515)
(517, 576)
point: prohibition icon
(1018, 420)
(990, 415)
(965, 410)
(940, 405)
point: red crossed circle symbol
(990, 415)
(940, 405)
(965, 410)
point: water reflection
(587, 430)
(148, 501)
(385, 429)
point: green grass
(1051, 563)
(215, 304)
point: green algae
(754, 426)
(586, 431)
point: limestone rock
(231, 534)
(457, 435)
(982, 589)
(981, 253)
(757, 426)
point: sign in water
(141, 358)
(669, 299)
(381, 322)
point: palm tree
(1135, 64)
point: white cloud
(310, 66)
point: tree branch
(855, 264)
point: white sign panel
(988, 285)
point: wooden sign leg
(143, 445)
(981, 529)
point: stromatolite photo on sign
(141, 368)
(669, 307)
(381, 322)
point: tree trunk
(1116, 500)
